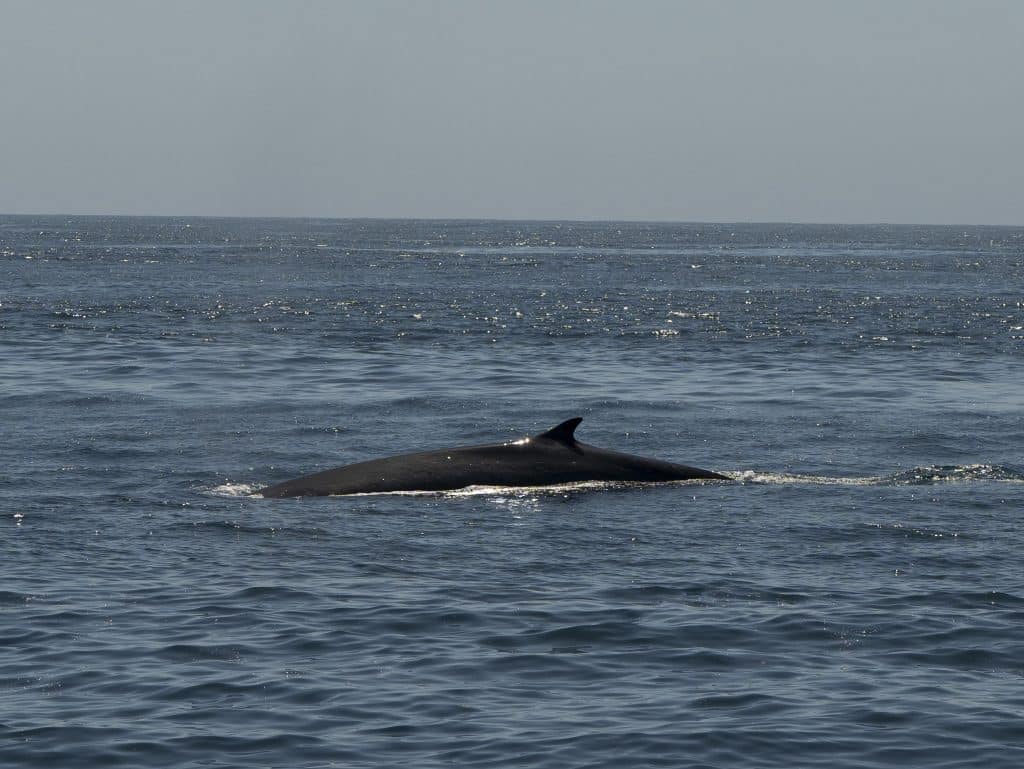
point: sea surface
(854, 598)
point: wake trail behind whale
(917, 476)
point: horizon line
(596, 220)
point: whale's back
(551, 458)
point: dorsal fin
(563, 433)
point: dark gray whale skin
(547, 459)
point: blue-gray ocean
(854, 599)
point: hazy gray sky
(856, 111)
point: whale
(551, 458)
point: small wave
(275, 592)
(757, 477)
(915, 476)
(958, 473)
(900, 531)
(193, 652)
(235, 490)
(241, 528)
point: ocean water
(855, 598)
